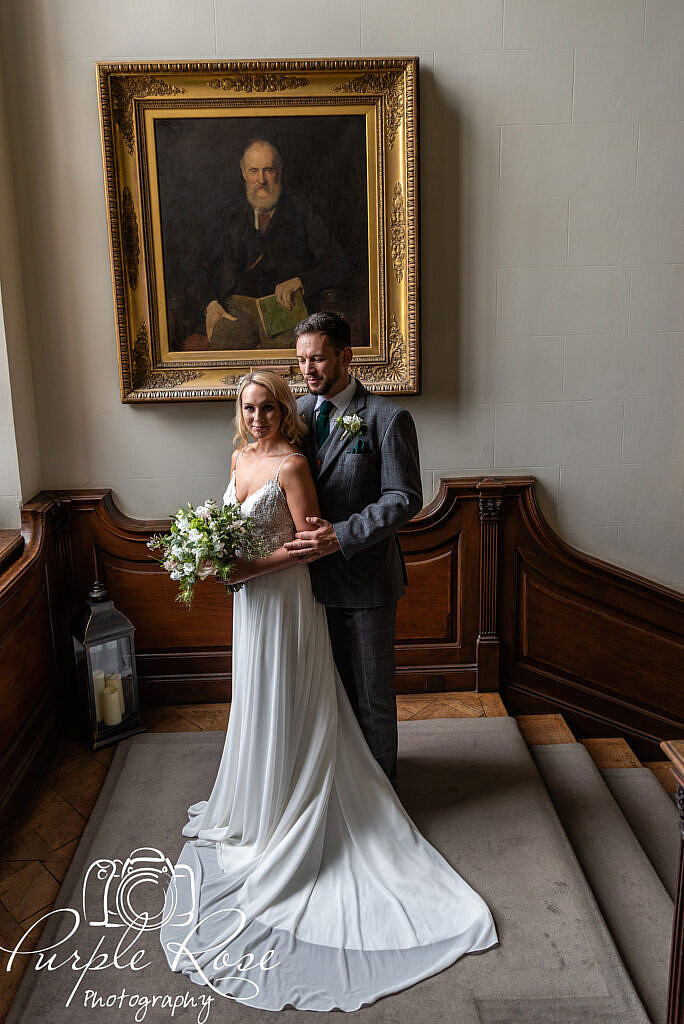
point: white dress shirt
(340, 401)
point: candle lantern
(105, 659)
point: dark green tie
(323, 421)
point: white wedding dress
(303, 848)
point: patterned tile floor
(41, 841)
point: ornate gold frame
(131, 95)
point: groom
(367, 476)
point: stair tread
(544, 729)
(611, 752)
(652, 816)
(635, 904)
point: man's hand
(286, 291)
(310, 545)
(215, 312)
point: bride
(311, 886)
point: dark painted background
(198, 160)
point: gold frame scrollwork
(383, 89)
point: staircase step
(613, 752)
(633, 900)
(544, 729)
(652, 816)
(664, 774)
(643, 801)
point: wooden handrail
(11, 546)
(674, 749)
(32, 653)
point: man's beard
(263, 202)
(326, 384)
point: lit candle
(112, 706)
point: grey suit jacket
(367, 496)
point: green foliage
(206, 540)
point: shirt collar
(341, 400)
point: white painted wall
(552, 161)
(10, 490)
(19, 455)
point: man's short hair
(335, 327)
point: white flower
(351, 425)
(204, 541)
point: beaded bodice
(269, 510)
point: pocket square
(360, 447)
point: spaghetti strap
(239, 456)
(285, 458)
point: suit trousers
(363, 648)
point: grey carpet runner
(470, 785)
(632, 898)
(652, 817)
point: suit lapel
(306, 410)
(336, 440)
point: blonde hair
(292, 426)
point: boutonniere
(351, 426)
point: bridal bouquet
(205, 541)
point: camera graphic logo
(142, 892)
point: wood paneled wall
(32, 687)
(185, 656)
(585, 638)
(495, 600)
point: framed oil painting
(243, 195)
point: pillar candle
(98, 687)
(114, 680)
(112, 706)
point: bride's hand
(242, 570)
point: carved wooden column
(488, 645)
(675, 995)
(66, 605)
